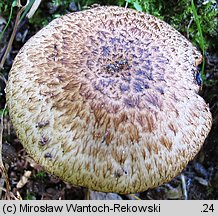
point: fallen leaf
(24, 179)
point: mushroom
(107, 99)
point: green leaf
(200, 38)
(14, 4)
(137, 6)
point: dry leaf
(24, 179)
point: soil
(29, 181)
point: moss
(5, 6)
(177, 13)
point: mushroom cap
(107, 99)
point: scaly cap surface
(107, 98)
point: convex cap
(107, 99)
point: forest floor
(29, 181)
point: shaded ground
(29, 181)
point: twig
(184, 188)
(187, 30)
(134, 196)
(12, 37)
(11, 194)
(126, 5)
(33, 8)
(17, 22)
(87, 195)
(2, 182)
